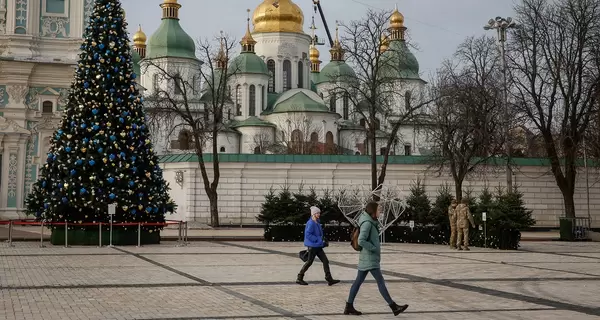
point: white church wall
(244, 185)
(252, 137)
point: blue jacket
(313, 234)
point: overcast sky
(437, 27)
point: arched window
(332, 101)
(264, 98)
(47, 107)
(252, 105)
(363, 123)
(155, 82)
(346, 107)
(300, 74)
(271, 68)
(357, 153)
(329, 145)
(377, 124)
(296, 136)
(184, 140)
(238, 99)
(321, 95)
(222, 149)
(257, 150)
(178, 84)
(314, 137)
(287, 75)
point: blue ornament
(43, 184)
(148, 209)
(60, 185)
(60, 131)
(141, 195)
(53, 157)
(95, 111)
(96, 127)
(108, 76)
(82, 191)
(46, 205)
(92, 162)
(110, 180)
(68, 149)
(86, 85)
(155, 209)
(134, 126)
(121, 120)
(73, 172)
(101, 46)
(65, 200)
(112, 157)
(83, 125)
(86, 140)
(133, 158)
(131, 183)
(79, 162)
(49, 155)
(122, 154)
(131, 134)
(134, 169)
(112, 196)
(113, 138)
(133, 76)
(133, 211)
(100, 150)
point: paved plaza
(255, 280)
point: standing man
(452, 217)
(463, 218)
(313, 240)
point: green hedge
(285, 213)
(121, 237)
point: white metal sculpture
(354, 198)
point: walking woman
(313, 240)
(369, 260)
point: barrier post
(111, 212)
(185, 238)
(66, 234)
(42, 235)
(10, 233)
(100, 235)
(139, 234)
(179, 234)
(110, 234)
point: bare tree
(178, 103)
(382, 89)
(299, 134)
(465, 122)
(555, 73)
(262, 143)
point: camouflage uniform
(452, 217)
(463, 217)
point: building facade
(280, 95)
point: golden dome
(397, 19)
(247, 41)
(314, 54)
(278, 16)
(139, 38)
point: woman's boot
(300, 280)
(349, 310)
(396, 309)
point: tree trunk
(458, 188)
(213, 198)
(373, 143)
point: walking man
(452, 217)
(313, 240)
(463, 218)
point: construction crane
(316, 7)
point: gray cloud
(437, 27)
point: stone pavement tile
(33, 248)
(126, 303)
(275, 273)
(420, 248)
(79, 261)
(584, 293)
(477, 271)
(401, 258)
(237, 259)
(198, 247)
(321, 299)
(563, 247)
(18, 277)
(478, 315)
(592, 255)
(510, 257)
(587, 268)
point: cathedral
(281, 97)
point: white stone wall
(244, 185)
(252, 137)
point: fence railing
(182, 226)
(580, 227)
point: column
(245, 100)
(9, 171)
(10, 16)
(294, 84)
(259, 99)
(33, 17)
(279, 74)
(76, 16)
(21, 165)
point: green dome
(136, 58)
(299, 100)
(170, 40)
(402, 63)
(336, 71)
(249, 62)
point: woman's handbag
(303, 255)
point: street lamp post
(501, 25)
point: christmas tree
(101, 154)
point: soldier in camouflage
(452, 217)
(463, 218)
